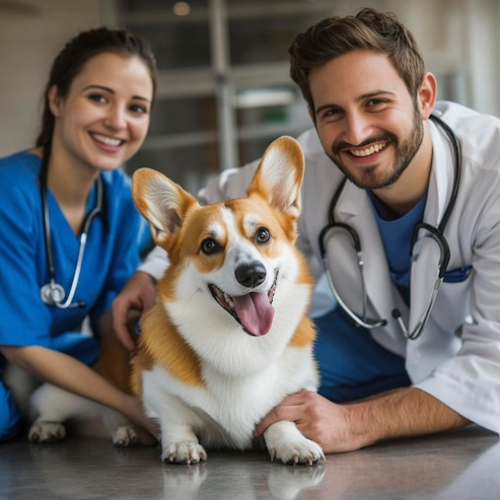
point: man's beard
(404, 154)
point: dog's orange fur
(161, 343)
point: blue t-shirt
(396, 235)
(111, 256)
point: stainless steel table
(463, 464)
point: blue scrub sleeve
(82, 347)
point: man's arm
(399, 413)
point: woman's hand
(140, 294)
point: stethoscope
(436, 233)
(53, 293)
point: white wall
(460, 38)
(483, 54)
(31, 34)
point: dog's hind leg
(54, 406)
(22, 384)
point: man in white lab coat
(425, 356)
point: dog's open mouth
(253, 311)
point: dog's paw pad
(46, 432)
(126, 435)
(302, 451)
(184, 452)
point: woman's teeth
(107, 140)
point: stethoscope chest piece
(52, 293)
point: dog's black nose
(251, 275)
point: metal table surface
(462, 464)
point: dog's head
(233, 258)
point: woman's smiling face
(103, 120)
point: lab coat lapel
(426, 253)
(354, 207)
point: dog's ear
(279, 176)
(162, 202)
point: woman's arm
(70, 374)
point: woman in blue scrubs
(96, 116)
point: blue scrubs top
(111, 256)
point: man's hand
(318, 419)
(336, 428)
(139, 293)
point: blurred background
(224, 91)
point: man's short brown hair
(368, 30)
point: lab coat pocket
(451, 308)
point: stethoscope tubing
(53, 293)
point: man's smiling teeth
(107, 140)
(375, 148)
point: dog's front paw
(126, 435)
(298, 451)
(286, 443)
(46, 432)
(184, 452)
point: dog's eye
(262, 235)
(209, 246)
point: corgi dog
(229, 337)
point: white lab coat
(457, 356)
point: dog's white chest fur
(225, 412)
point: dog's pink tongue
(255, 312)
